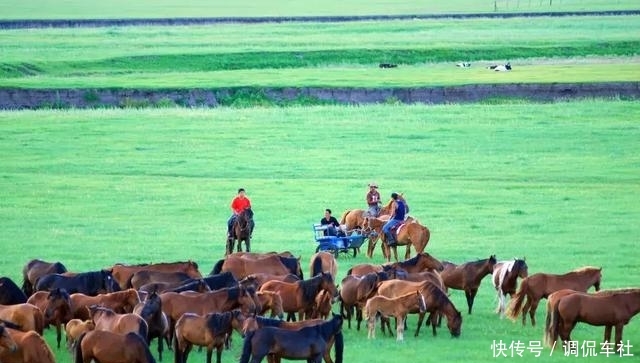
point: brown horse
(270, 300)
(397, 307)
(122, 273)
(56, 307)
(258, 279)
(241, 266)
(612, 309)
(6, 341)
(151, 311)
(35, 269)
(27, 316)
(409, 233)
(505, 280)
(323, 262)
(355, 291)
(31, 348)
(322, 306)
(540, 285)
(198, 285)
(108, 347)
(210, 331)
(120, 302)
(241, 231)
(107, 319)
(76, 327)
(419, 263)
(300, 296)
(144, 277)
(175, 304)
(467, 276)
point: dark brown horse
(108, 347)
(210, 331)
(56, 306)
(467, 276)
(122, 273)
(355, 291)
(241, 231)
(540, 285)
(10, 293)
(35, 269)
(241, 266)
(505, 280)
(31, 348)
(309, 343)
(611, 310)
(300, 296)
(198, 285)
(144, 277)
(151, 311)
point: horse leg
(400, 328)
(407, 253)
(470, 294)
(247, 244)
(395, 253)
(219, 354)
(160, 347)
(58, 333)
(436, 321)
(619, 328)
(607, 333)
(532, 312)
(371, 325)
(525, 309)
(420, 319)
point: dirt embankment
(88, 98)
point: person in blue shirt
(398, 211)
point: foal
(398, 307)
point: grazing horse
(505, 280)
(89, 283)
(30, 347)
(253, 323)
(300, 296)
(27, 316)
(241, 266)
(123, 273)
(308, 343)
(409, 233)
(355, 291)
(151, 311)
(467, 276)
(35, 269)
(323, 262)
(76, 327)
(397, 307)
(540, 285)
(210, 330)
(107, 319)
(270, 300)
(241, 231)
(144, 277)
(10, 293)
(56, 306)
(108, 347)
(175, 304)
(611, 309)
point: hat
(394, 195)
(373, 185)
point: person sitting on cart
(333, 226)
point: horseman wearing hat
(373, 200)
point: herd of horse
(112, 315)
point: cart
(337, 244)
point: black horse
(221, 280)
(241, 230)
(151, 311)
(307, 343)
(89, 283)
(10, 293)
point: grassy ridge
(556, 183)
(78, 9)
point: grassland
(78, 9)
(557, 183)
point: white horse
(504, 278)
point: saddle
(394, 232)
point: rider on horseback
(238, 205)
(398, 211)
(373, 200)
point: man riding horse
(398, 211)
(238, 205)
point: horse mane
(438, 294)
(219, 323)
(291, 263)
(410, 262)
(343, 219)
(310, 288)
(585, 269)
(8, 324)
(217, 268)
(264, 321)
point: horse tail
(515, 305)
(246, 347)
(349, 272)
(547, 325)
(147, 351)
(217, 268)
(343, 218)
(339, 346)
(38, 318)
(78, 350)
(316, 266)
(143, 330)
(177, 356)
(554, 325)
(27, 288)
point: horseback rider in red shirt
(238, 205)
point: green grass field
(77, 9)
(556, 183)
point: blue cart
(335, 244)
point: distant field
(79, 9)
(573, 49)
(556, 183)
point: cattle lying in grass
(500, 67)
(463, 65)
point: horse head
(6, 340)
(152, 306)
(520, 266)
(108, 282)
(57, 298)
(454, 323)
